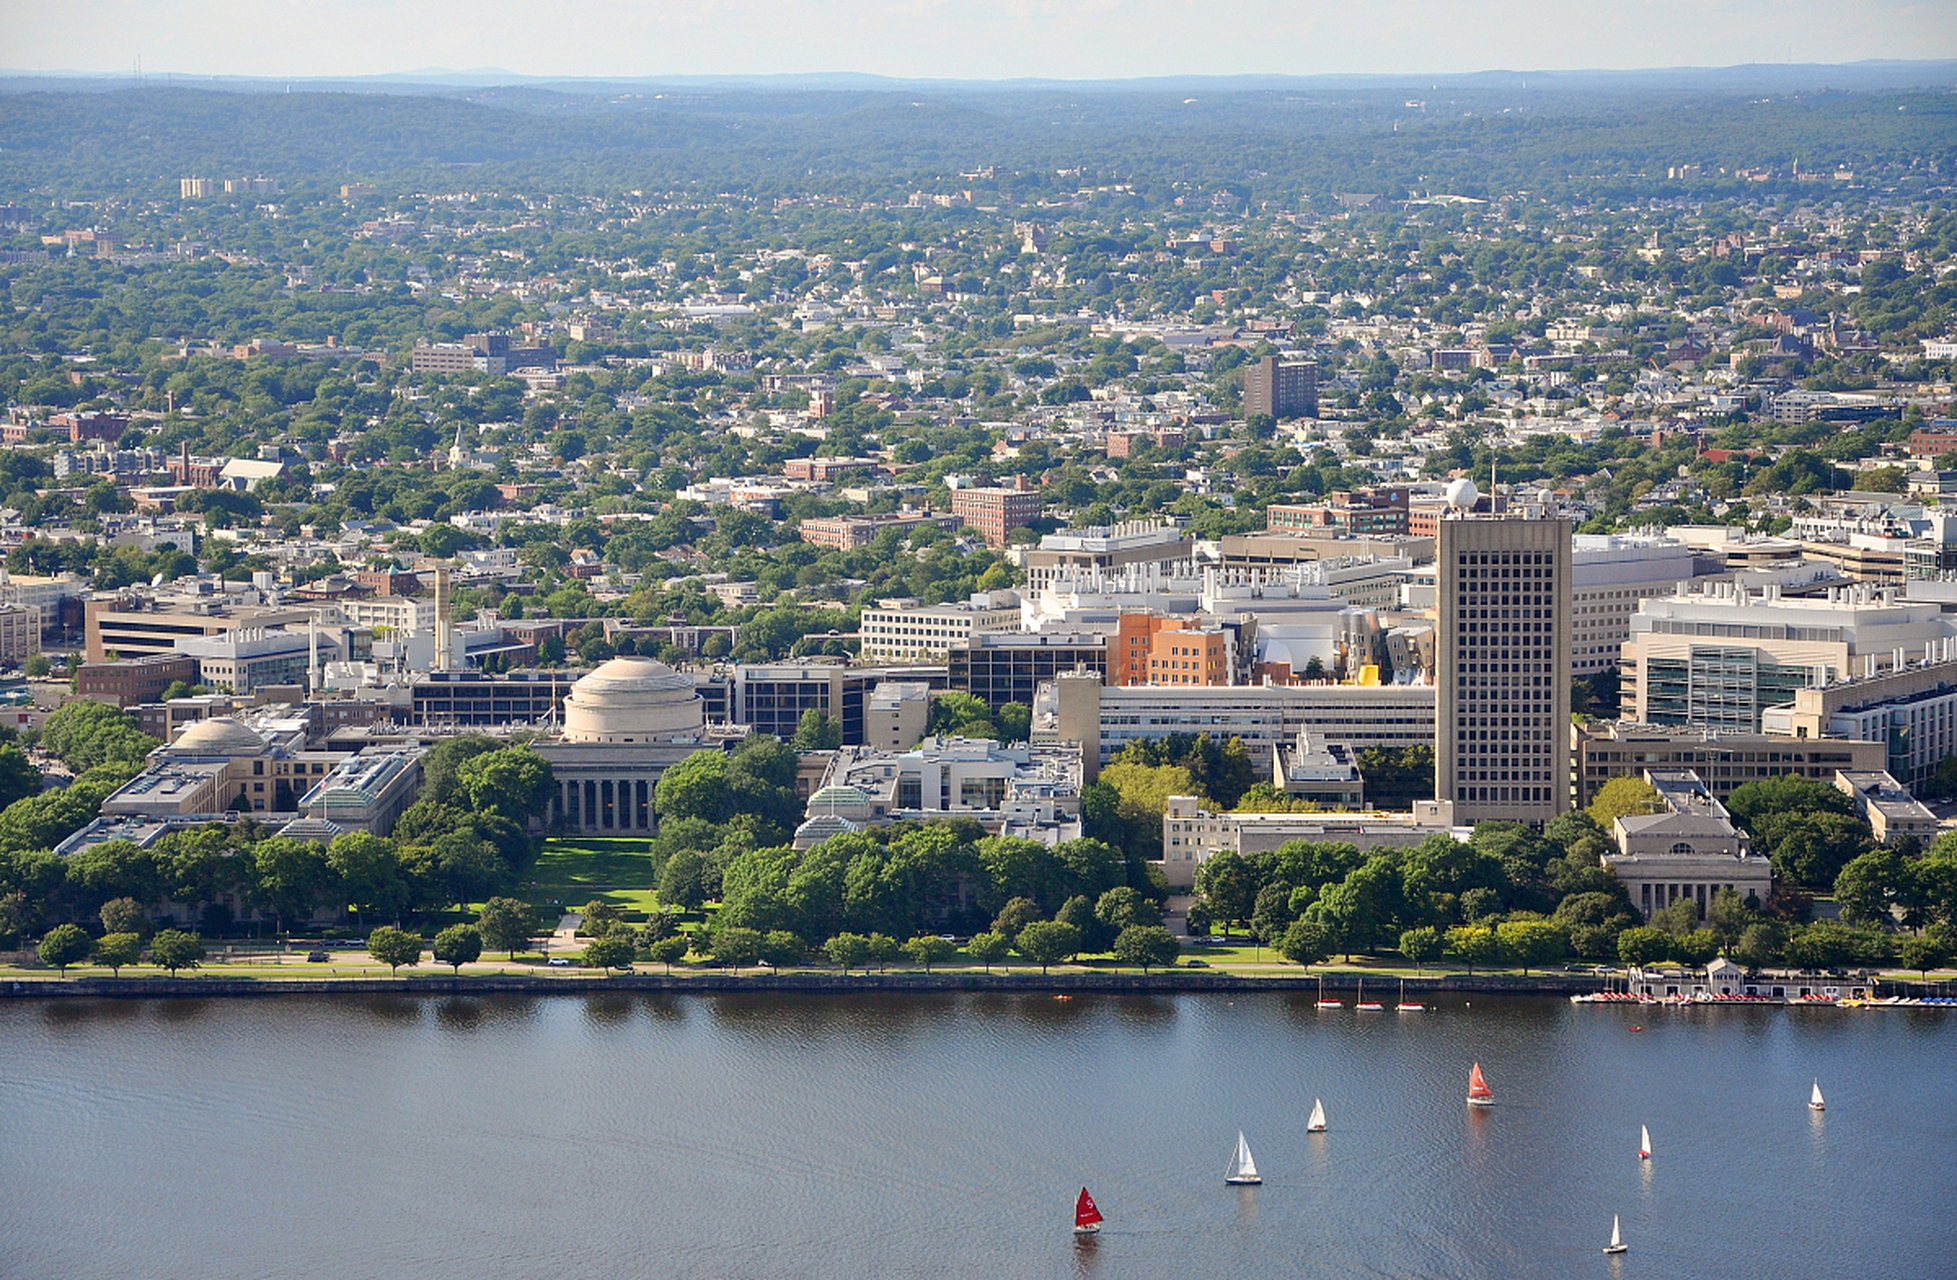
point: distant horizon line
(499, 77)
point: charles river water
(917, 1135)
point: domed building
(633, 700)
(257, 763)
(625, 724)
(218, 737)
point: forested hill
(1275, 143)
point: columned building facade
(625, 724)
(1502, 736)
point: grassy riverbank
(244, 973)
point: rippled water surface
(946, 1136)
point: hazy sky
(1074, 39)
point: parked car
(1195, 964)
(317, 957)
(558, 962)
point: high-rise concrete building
(1502, 711)
(1281, 388)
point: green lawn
(570, 873)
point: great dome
(633, 700)
(219, 737)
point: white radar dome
(1462, 494)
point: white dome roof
(633, 700)
(220, 737)
(1462, 494)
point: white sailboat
(1616, 1244)
(1243, 1170)
(1644, 1142)
(1404, 1006)
(1814, 1099)
(1372, 1006)
(1323, 1003)
(1317, 1122)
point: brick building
(995, 513)
(91, 425)
(389, 582)
(1283, 389)
(130, 683)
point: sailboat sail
(1317, 1122)
(1086, 1214)
(1616, 1244)
(1242, 1167)
(1644, 1142)
(1814, 1099)
(1478, 1091)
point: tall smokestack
(442, 640)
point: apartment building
(396, 613)
(20, 633)
(1281, 388)
(43, 594)
(995, 513)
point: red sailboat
(1087, 1218)
(1479, 1094)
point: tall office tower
(1502, 722)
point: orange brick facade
(1150, 649)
